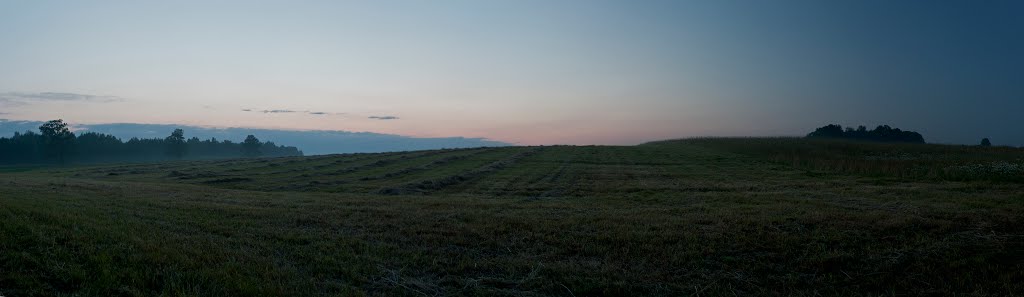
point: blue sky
(526, 72)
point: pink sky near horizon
(612, 128)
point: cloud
(18, 98)
(11, 103)
(271, 110)
(318, 113)
(383, 117)
(324, 113)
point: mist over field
(310, 142)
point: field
(672, 218)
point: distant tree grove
(56, 144)
(882, 133)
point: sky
(522, 72)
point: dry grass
(666, 219)
(913, 161)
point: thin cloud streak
(324, 113)
(383, 117)
(317, 113)
(19, 98)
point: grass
(690, 217)
(912, 161)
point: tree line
(882, 133)
(56, 144)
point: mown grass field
(675, 218)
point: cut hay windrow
(434, 164)
(432, 185)
(342, 160)
(385, 162)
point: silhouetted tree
(176, 144)
(58, 144)
(22, 148)
(986, 142)
(57, 139)
(882, 133)
(251, 146)
(830, 131)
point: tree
(985, 142)
(882, 133)
(176, 144)
(251, 146)
(59, 144)
(830, 131)
(57, 139)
